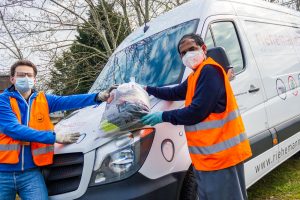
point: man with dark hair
(26, 132)
(214, 128)
(22, 63)
(198, 40)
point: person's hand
(152, 119)
(67, 138)
(103, 96)
(144, 87)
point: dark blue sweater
(210, 97)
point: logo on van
(281, 88)
(293, 85)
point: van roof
(266, 5)
(265, 10)
(195, 9)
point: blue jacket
(210, 97)
(10, 125)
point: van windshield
(152, 61)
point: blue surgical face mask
(24, 84)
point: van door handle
(253, 89)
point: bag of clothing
(126, 106)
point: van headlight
(122, 157)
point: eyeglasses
(24, 74)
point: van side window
(209, 42)
(224, 34)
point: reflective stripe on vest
(213, 124)
(43, 150)
(9, 147)
(218, 147)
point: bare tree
(8, 39)
(42, 30)
(293, 4)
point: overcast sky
(27, 41)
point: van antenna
(146, 27)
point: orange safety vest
(39, 119)
(219, 141)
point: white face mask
(192, 59)
(24, 84)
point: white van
(262, 41)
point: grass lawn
(283, 183)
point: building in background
(4, 82)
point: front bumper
(138, 187)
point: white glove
(103, 96)
(67, 138)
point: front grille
(64, 174)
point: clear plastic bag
(126, 106)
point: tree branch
(18, 53)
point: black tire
(296, 156)
(189, 186)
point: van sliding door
(276, 48)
